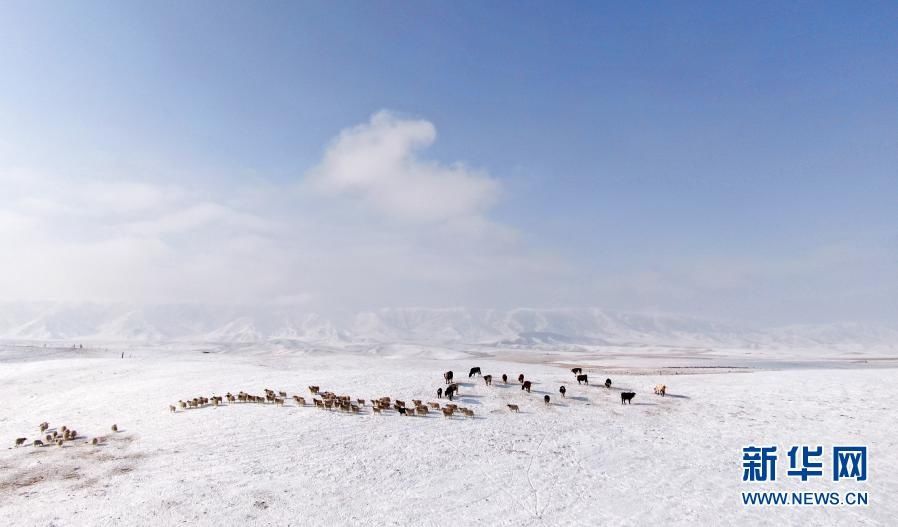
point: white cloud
(377, 163)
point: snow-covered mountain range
(516, 327)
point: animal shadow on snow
(577, 398)
(678, 396)
(644, 404)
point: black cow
(505, 378)
(401, 410)
(607, 383)
(583, 378)
(448, 377)
(521, 378)
(627, 397)
(488, 379)
(546, 398)
(439, 393)
(562, 390)
(576, 371)
(526, 386)
(473, 371)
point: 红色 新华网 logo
(805, 463)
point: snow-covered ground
(583, 460)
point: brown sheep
(435, 406)
(43, 426)
(94, 441)
(660, 389)
(513, 407)
(314, 390)
(115, 428)
(172, 409)
(59, 442)
(376, 409)
(468, 413)
(447, 412)
(49, 438)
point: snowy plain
(582, 460)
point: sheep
(59, 442)
(468, 413)
(282, 394)
(37, 443)
(314, 390)
(513, 408)
(361, 402)
(49, 438)
(447, 412)
(376, 409)
(115, 428)
(63, 428)
(422, 410)
(400, 403)
(20, 441)
(94, 441)
(172, 409)
(301, 401)
(435, 406)
(416, 402)
(660, 389)
(44, 426)
(278, 401)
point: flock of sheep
(326, 400)
(59, 436)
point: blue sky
(722, 159)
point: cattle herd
(327, 400)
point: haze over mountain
(524, 327)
